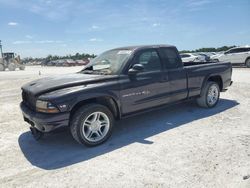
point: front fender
(93, 95)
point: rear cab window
(171, 58)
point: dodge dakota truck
(119, 83)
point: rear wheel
(210, 95)
(11, 67)
(2, 68)
(248, 63)
(92, 124)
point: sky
(37, 28)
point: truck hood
(48, 84)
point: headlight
(45, 106)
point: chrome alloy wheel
(213, 95)
(95, 126)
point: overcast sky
(40, 27)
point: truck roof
(142, 47)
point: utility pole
(1, 49)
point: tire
(211, 89)
(248, 63)
(89, 128)
(11, 67)
(2, 68)
(22, 67)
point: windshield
(107, 63)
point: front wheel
(11, 67)
(210, 95)
(92, 124)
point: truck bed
(198, 72)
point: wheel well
(218, 80)
(247, 59)
(109, 102)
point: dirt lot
(180, 146)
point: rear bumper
(44, 122)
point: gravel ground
(179, 146)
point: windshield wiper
(86, 71)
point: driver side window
(150, 60)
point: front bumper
(44, 122)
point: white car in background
(189, 57)
(215, 56)
(210, 53)
(237, 55)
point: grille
(29, 100)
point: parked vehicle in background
(51, 63)
(44, 63)
(237, 55)
(210, 53)
(82, 62)
(59, 62)
(36, 63)
(207, 57)
(214, 56)
(64, 62)
(11, 61)
(117, 84)
(189, 57)
(69, 63)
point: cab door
(175, 76)
(145, 89)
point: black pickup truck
(117, 84)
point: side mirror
(136, 69)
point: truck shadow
(60, 150)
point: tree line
(223, 48)
(77, 56)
